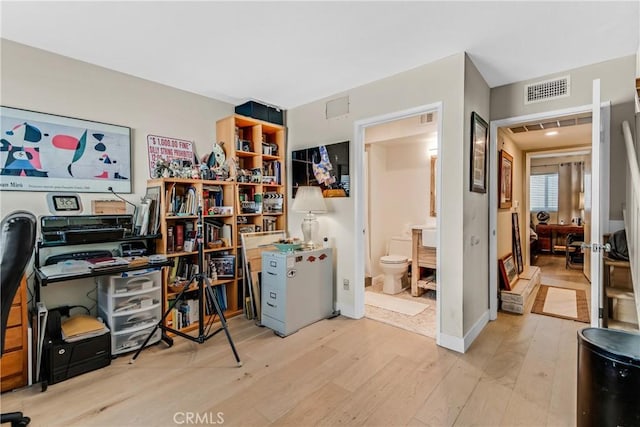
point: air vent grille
(547, 90)
(426, 118)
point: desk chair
(573, 250)
(16, 246)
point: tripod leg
(162, 319)
(212, 295)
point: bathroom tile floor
(423, 323)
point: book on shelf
(179, 237)
(220, 294)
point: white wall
(428, 84)
(399, 195)
(41, 81)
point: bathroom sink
(430, 237)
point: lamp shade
(309, 199)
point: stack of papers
(81, 327)
(106, 262)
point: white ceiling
(291, 53)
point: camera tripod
(206, 299)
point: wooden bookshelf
(180, 201)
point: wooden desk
(549, 233)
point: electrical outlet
(345, 284)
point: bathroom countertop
(423, 226)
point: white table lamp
(310, 201)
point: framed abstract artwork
(47, 152)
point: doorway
(364, 258)
(573, 122)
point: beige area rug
(561, 302)
(423, 323)
(389, 302)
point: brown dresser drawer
(11, 364)
(15, 316)
(13, 339)
(10, 383)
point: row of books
(187, 312)
(212, 197)
(182, 203)
(185, 267)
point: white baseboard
(462, 344)
(348, 311)
(450, 342)
(475, 330)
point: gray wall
(475, 255)
(616, 80)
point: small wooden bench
(515, 300)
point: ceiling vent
(337, 107)
(547, 90)
(550, 124)
(425, 119)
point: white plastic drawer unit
(125, 342)
(124, 305)
(131, 305)
(131, 283)
(134, 321)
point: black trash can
(608, 378)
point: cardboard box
(100, 207)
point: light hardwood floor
(520, 371)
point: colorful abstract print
(31, 148)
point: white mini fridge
(297, 289)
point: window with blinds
(543, 192)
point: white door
(593, 222)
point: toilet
(395, 264)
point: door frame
(493, 185)
(359, 127)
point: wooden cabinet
(544, 238)
(422, 257)
(13, 364)
(259, 148)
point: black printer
(63, 360)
